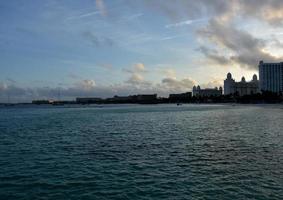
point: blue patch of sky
(48, 40)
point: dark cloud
(246, 50)
(213, 55)
(270, 11)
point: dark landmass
(260, 98)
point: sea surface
(142, 152)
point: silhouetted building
(241, 88)
(207, 92)
(140, 98)
(40, 102)
(271, 76)
(88, 100)
(121, 98)
(146, 97)
(183, 97)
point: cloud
(270, 11)
(228, 44)
(213, 55)
(184, 9)
(136, 68)
(136, 74)
(239, 46)
(135, 84)
(184, 23)
(135, 79)
(170, 84)
(86, 85)
(175, 85)
(89, 88)
(213, 83)
(139, 67)
(169, 73)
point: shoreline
(5, 105)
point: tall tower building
(229, 85)
(271, 76)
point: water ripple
(142, 152)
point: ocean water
(142, 152)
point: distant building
(120, 98)
(146, 97)
(271, 76)
(241, 88)
(88, 100)
(40, 102)
(207, 92)
(140, 98)
(182, 97)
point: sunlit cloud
(246, 49)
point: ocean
(142, 152)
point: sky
(57, 49)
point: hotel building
(271, 76)
(207, 92)
(241, 88)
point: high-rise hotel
(271, 76)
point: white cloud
(139, 67)
(135, 79)
(174, 85)
(136, 74)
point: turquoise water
(142, 152)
